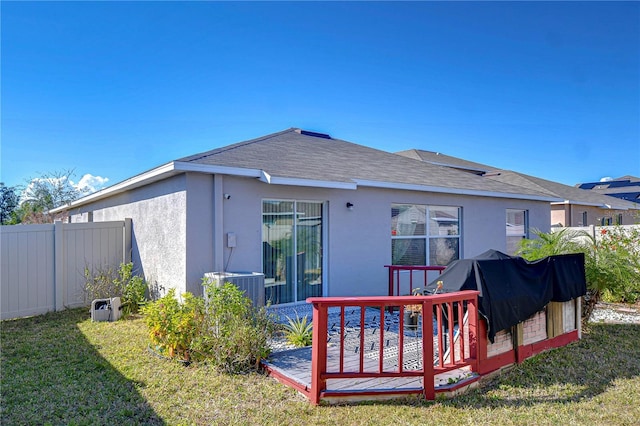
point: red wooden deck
(293, 367)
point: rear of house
(316, 215)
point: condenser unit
(252, 283)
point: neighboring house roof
(570, 194)
(303, 158)
(625, 187)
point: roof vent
(314, 134)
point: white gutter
(158, 173)
(161, 172)
(271, 180)
(176, 167)
(438, 189)
(214, 169)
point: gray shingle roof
(572, 194)
(446, 160)
(294, 153)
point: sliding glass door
(292, 246)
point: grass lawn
(61, 368)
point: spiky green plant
(299, 331)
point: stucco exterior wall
(180, 226)
(358, 243)
(158, 212)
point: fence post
(126, 241)
(59, 285)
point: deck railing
(445, 344)
(395, 274)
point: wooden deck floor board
(296, 364)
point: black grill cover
(511, 288)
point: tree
(8, 203)
(45, 193)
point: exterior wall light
(350, 206)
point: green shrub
(105, 282)
(237, 334)
(612, 260)
(299, 331)
(133, 288)
(174, 325)
(226, 330)
(100, 283)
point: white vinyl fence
(42, 266)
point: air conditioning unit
(252, 283)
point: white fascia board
(262, 175)
(158, 173)
(443, 190)
(152, 175)
(215, 169)
(274, 180)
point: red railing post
(394, 276)
(322, 373)
(427, 351)
(318, 352)
(476, 341)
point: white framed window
(425, 235)
(517, 228)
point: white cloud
(90, 183)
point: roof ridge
(237, 145)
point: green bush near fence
(107, 281)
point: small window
(619, 220)
(584, 219)
(517, 229)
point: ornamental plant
(106, 281)
(223, 328)
(174, 325)
(237, 334)
(299, 331)
(612, 260)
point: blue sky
(112, 89)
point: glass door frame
(294, 249)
